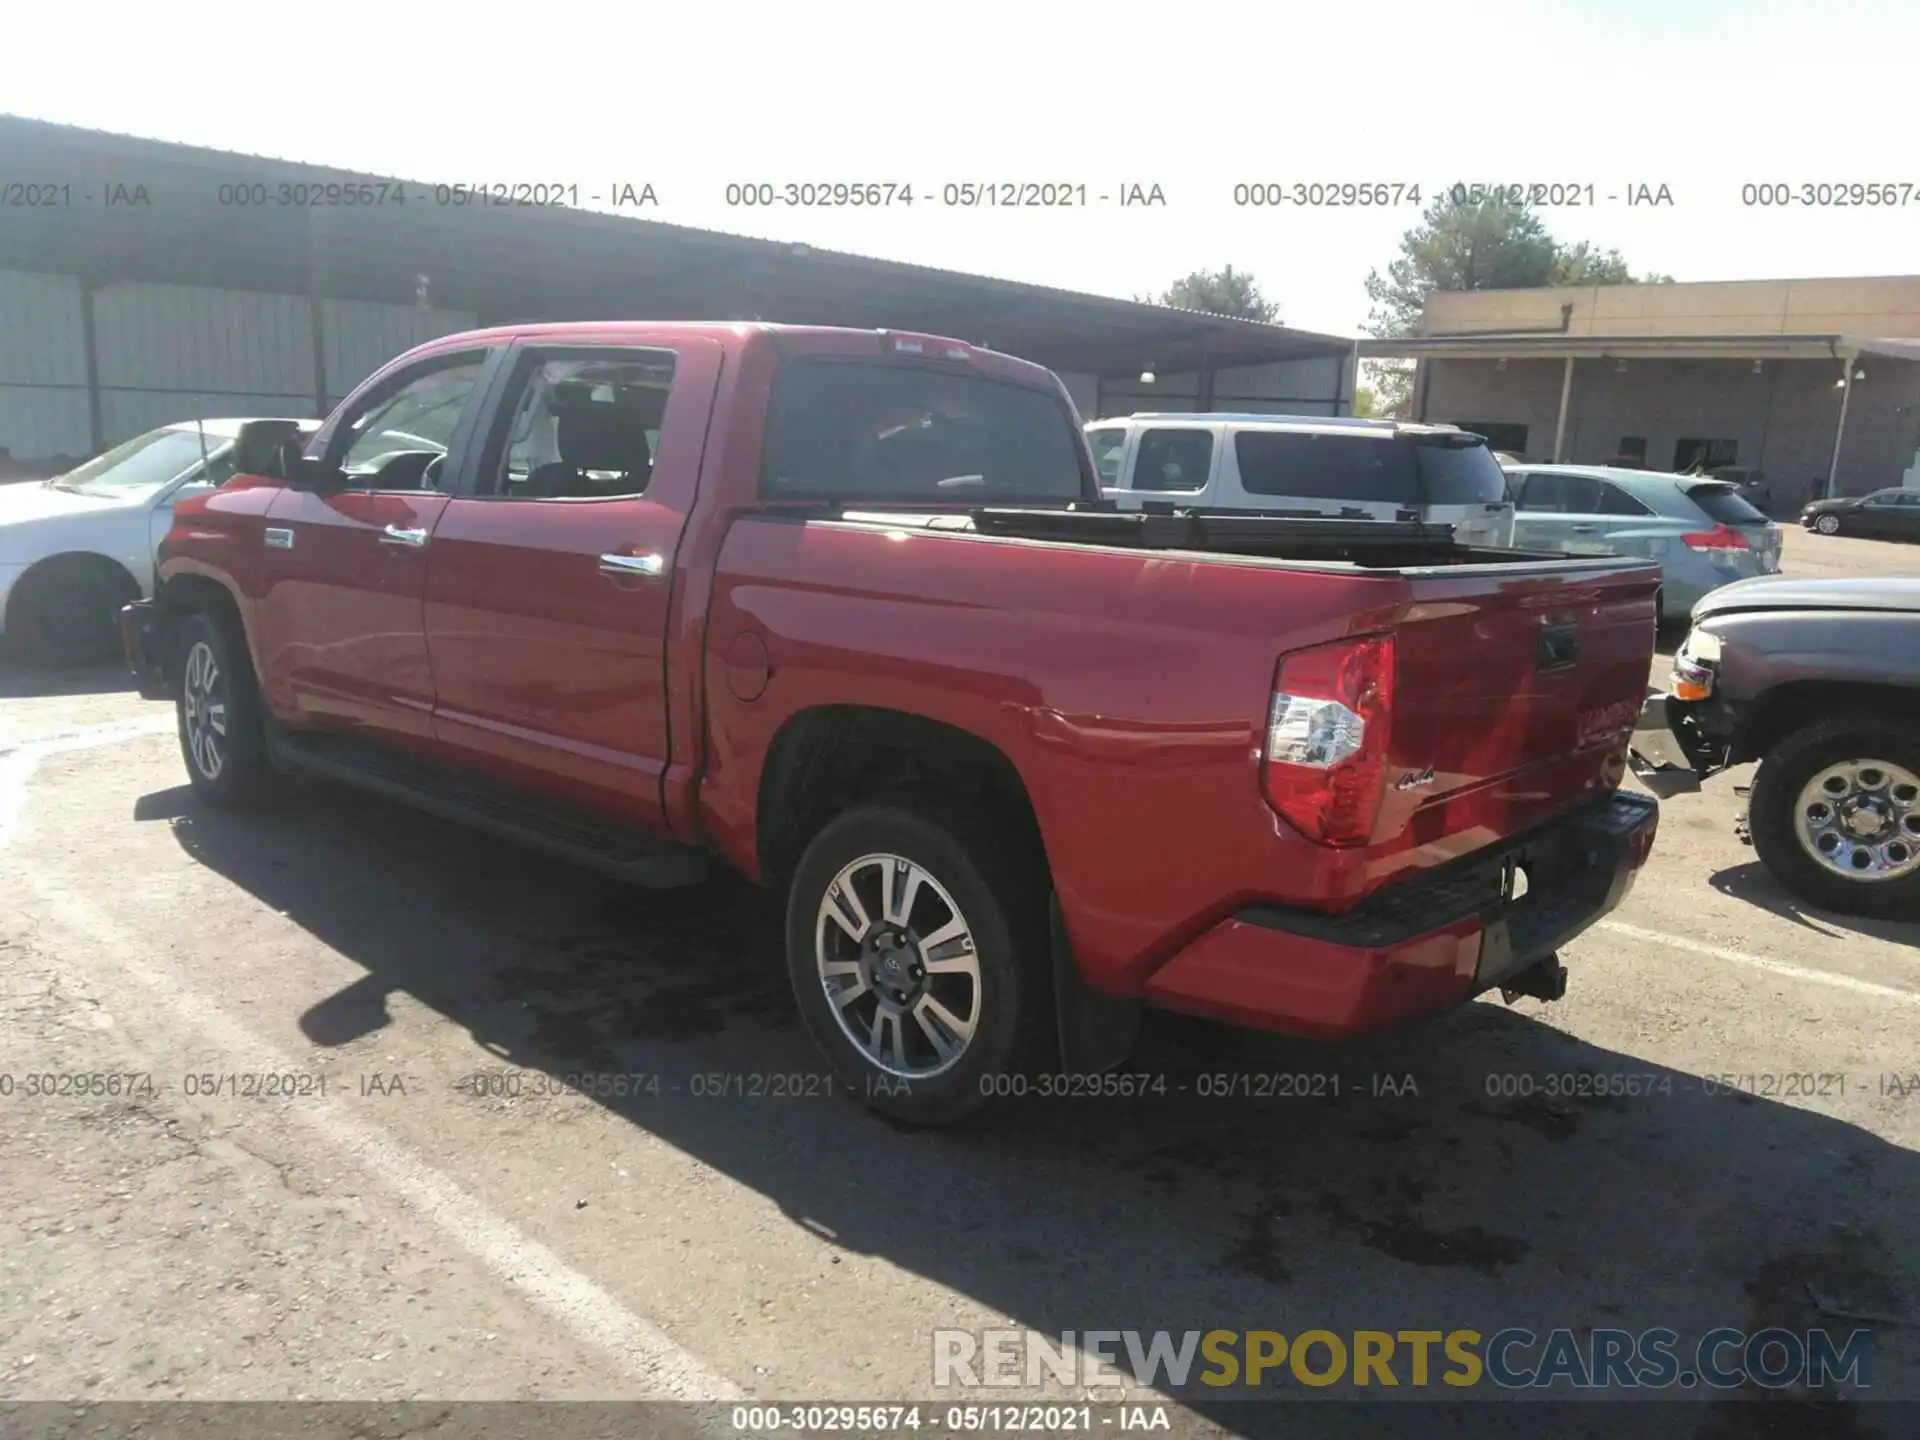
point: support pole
(1560, 425)
(1839, 430)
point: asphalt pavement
(408, 1115)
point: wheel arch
(94, 560)
(1779, 712)
(190, 593)
(827, 759)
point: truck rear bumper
(1421, 946)
(139, 636)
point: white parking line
(1761, 962)
(644, 1352)
(18, 761)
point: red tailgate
(1514, 696)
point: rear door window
(1615, 501)
(1453, 474)
(1724, 505)
(1559, 494)
(861, 430)
(1319, 466)
(1173, 460)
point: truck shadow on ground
(1423, 1180)
(1753, 884)
(19, 680)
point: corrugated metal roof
(504, 258)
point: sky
(1703, 97)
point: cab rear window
(856, 430)
(1724, 505)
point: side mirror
(270, 448)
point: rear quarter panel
(1128, 689)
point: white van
(1307, 465)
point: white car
(75, 548)
(1337, 466)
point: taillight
(1721, 537)
(1327, 734)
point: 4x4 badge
(1414, 779)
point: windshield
(141, 463)
(854, 430)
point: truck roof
(734, 334)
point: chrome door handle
(395, 535)
(628, 565)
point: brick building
(1800, 379)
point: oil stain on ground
(1397, 1234)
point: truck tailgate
(1514, 696)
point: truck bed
(1373, 545)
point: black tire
(1003, 904)
(243, 774)
(1828, 524)
(1772, 815)
(67, 612)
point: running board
(617, 851)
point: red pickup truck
(844, 609)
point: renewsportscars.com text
(1196, 1361)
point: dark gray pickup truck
(1818, 680)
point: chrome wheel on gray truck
(1835, 816)
(1860, 819)
(918, 959)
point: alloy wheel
(1827, 524)
(896, 959)
(1861, 819)
(203, 700)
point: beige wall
(1782, 416)
(1880, 307)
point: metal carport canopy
(548, 263)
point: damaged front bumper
(1669, 737)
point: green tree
(1366, 404)
(1459, 246)
(1226, 291)
(1466, 245)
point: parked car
(844, 610)
(1305, 465)
(1700, 531)
(75, 548)
(1884, 514)
(1818, 680)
